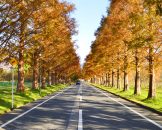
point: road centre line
(80, 122)
(149, 120)
(74, 112)
(80, 98)
(81, 89)
(10, 121)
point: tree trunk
(106, 82)
(126, 84)
(152, 88)
(20, 84)
(95, 79)
(105, 78)
(23, 24)
(118, 72)
(56, 78)
(43, 78)
(35, 71)
(52, 79)
(102, 77)
(49, 78)
(66, 79)
(99, 80)
(118, 79)
(109, 79)
(91, 80)
(112, 78)
(137, 90)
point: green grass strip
(155, 103)
(20, 99)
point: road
(81, 107)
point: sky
(88, 15)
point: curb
(141, 105)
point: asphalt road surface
(81, 107)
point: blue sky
(88, 15)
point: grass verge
(155, 104)
(20, 99)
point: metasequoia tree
(55, 21)
(39, 32)
(55, 48)
(153, 42)
(128, 38)
(15, 30)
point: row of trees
(129, 39)
(38, 35)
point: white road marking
(80, 98)
(149, 120)
(81, 89)
(74, 112)
(10, 121)
(80, 123)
